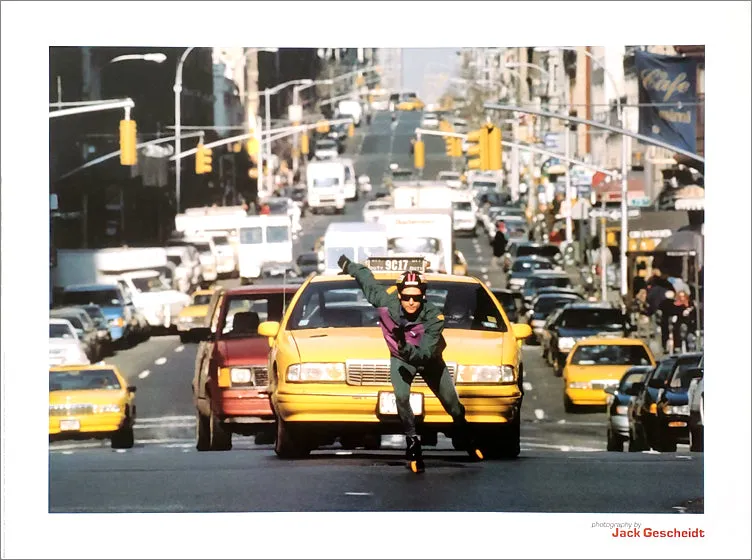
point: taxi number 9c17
(395, 265)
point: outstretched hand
(343, 262)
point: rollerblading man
(412, 328)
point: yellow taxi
(412, 104)
(91, 401)
(329, 366)
(596, 363)
(193, 315)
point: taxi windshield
(201, 299)
(592, 319)
(610, 355)
(342, 304)
(84, 380)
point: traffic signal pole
(126, 104)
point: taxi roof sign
(396, 264)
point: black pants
(438, 379)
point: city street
(563, 466)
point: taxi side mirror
(521, 331)
(269, 329)
(131, 388)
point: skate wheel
(415, 467)
(479, 454)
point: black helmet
(411, 279)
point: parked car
(85, 329)
(103, 332)
(542, 279)
(617, 406)
(526, 249)
(523, 268)
(116, 305)
(65, 347)
(696, 397)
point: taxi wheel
(220, 438)
(569, 406)
(558, 367)
(695, 439)
(203, 439)
(636, 444)
(123, 438)
(613, 443)
(289, 444)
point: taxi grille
(376, 372)
(71, 409)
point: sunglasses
(416, 298)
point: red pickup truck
(230, 376)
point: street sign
(615, 214)
(552, 140)
(295, 113)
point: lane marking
(488, 283)
(180, 348)
(483, 270)
(160, 361)
(358, 493)
(562, 422)
(144, 374)
(569, 448)
(155, 419)
(527, 386)
(343, 453)
(539, 414)
(141, 426)
(485, 277)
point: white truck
(422, 232)
(133, 269)
(356, 240)
(422, 195)
(326, 186)
(265, 247)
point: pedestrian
(499, 244)
(412, 328)
(639, 282)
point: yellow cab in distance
(193, 315)
(599, 362)
(412, 104)
(91, 401)
(329, 365)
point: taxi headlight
(104, 408)
(486, 374)
(622, 409)
(579, 385)
(322, 372)
(682, 410)
(240, 375)
(566, 343)
(185, 319)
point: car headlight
(118, 322)
(324, 372)
(682, 410)
(240, 375)
(622, 409)
(104, 408)
(566, 343)
(486, 374)
(579, 385)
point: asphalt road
(563, 466)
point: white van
(356, 240)
(352, 109)
(265, 245)
(326, 186)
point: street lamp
(159, 58)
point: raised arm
(375, 293)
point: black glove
(343, 262)
(399, 336)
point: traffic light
(456, 146)
(251, 146)
(478, 140)
(494, 148)
(420, 154)
(351, 130)
(322, 127)
(304, 144)
(203, 160)
(449, 140)
(128, 154)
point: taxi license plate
(388, 403)
(69, 425)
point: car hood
(587, 373)
(249, 351)
(92, 396)
(367, 343)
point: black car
(544, 279)
(307, 263)
(617, 407)
(542, 306)
(511, 302)
(671, 424)
(527, 249)
(581, 320)
(525, 267)
(103, 331)
(562, 291)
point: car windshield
(94, 312)
(462, 206)
(664, 369)
(326, 181)
(202, 248)
(414, 245)
(278, 206)
(545, 281)
(592, 319)
(484, 185)
(220, 240)
(245, 312)
(610, 355)
(546, 305)
(102, 298)
(326, 145)
(547, 251)
(681, 377)
(60, 331)
(174, 259)
(277, 234)
(74, 320)
(84, 380)
(251, 236)
(201, 299)
(150, 284)
(341, 304)
(529, 266)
